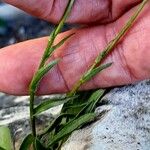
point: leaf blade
(95, 97)
(71, 126)
(5, 138)
(49, 104)
(54, 123)
(95, 71)
(39, 145)
(40, 74)
(27, 142)
(59, 44)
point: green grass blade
(71, 126)
(74, 109)
(27, 142)
(49, 104)
(94, 99)
(40, 74)
(95, 71)
(2, 148)
(91, 103)
(55, 123)
(59, 44)
(83, 110)
(5, 138)
(38, 145)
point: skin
(131, 57)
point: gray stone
(123, 124)
(14, 112)
(123, 120)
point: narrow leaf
(94, 99)
(91, 103)
(59, 44)
(95, 71)
(39, 145)
(71, 126)
(74, 109)
(83, 110)
(2, 148)
(27, 142)
(49, 104)
(5, 138)
(40, 74)
(55, 123)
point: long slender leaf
(95, 71)
(74, 109)
(40, 74)
(39, 145)
(55, 123)
(83, 110)
(71, 126)
(27, 142)
(59, 44)
(5, 138)
(94, 99)
(49, 104)
(2, 148)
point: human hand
(130, 58)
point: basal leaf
(91, 103)
(5, 138)
(71, 126)
(51, 103)
(2, 148)
(83, 110)
(94, 99)
(74, 109)
(39, 145)
(27, 142)
(55, 123)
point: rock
(123, 120)
(123, 124)
(14, 112)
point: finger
(83, 12)
(130, 59)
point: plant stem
(32, 118)
(56, 32)
(45, 57)
(109, 47)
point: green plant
(5, 139)
(78, 107)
